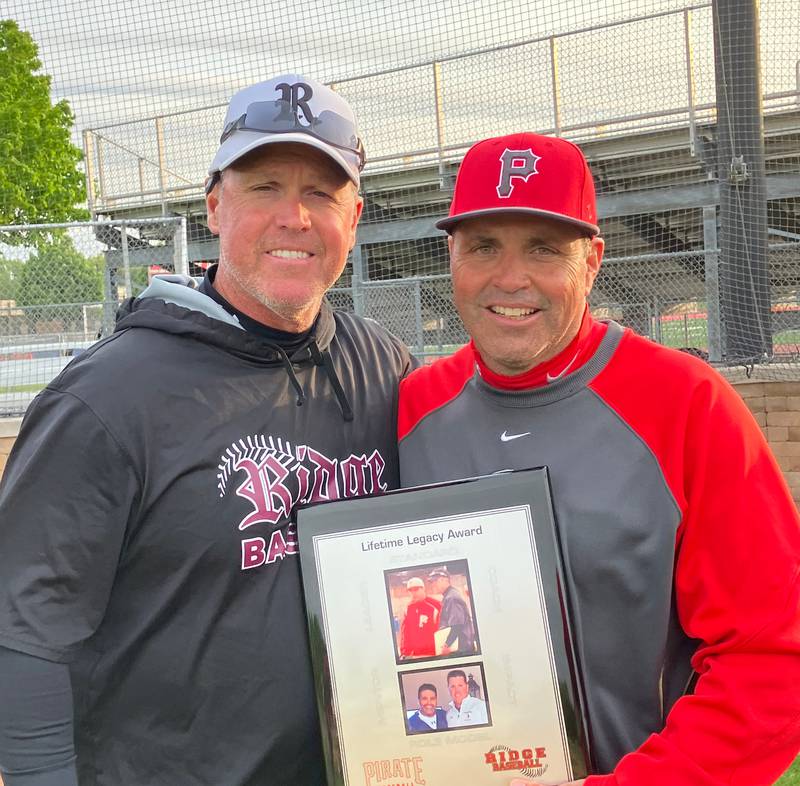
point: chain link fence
(665, 297)
(60, 285)
(689, 114)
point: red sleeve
(737, 578)
(431, 387)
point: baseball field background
(689, 113)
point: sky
(122, 60)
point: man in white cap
(420, 622)
(681, 540)
(152, 630)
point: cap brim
(238, 145)
(448, 223)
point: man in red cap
(420, 623)
(681, 541)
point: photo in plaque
(431, 611)
(444, 698)
(495, 673)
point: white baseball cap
(415, 582)
(290, 108)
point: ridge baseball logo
(278, 476)
(528, 761)
(515, 164)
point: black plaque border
(510, 489)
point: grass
(31, 388)
(692, 331)
(792, 776)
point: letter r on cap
(515, 164)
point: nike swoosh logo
(506, 437)
(554, 377)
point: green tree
(59, 273)
(10, 272)
(39, 177)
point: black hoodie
(146, 542)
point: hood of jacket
(174, 304)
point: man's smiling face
(520, 284)
(286, 216)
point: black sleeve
(36, 719)
(67, 495)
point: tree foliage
(59, 273)
(39, 177)
(10, 272)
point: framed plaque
(439, 632)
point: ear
(358, 208)
(450, 248)
(593, 260)
(212, 205)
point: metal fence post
(109, 297)
(797, 80)
(655, 304)
(126, 262)
(358, 277)
(101, 170)
(180, 245)
(162, 164)
(554, 81)
(687, 38)
(744, 267)
(141, 179)
(88, 157)
(437, 93)
(712, 282)
(418, 316)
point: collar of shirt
(286, 341)
(425, 719)
(467, 704)
(570, 359)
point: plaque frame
(500, 502)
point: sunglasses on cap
(279, 117)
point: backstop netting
(688, 113)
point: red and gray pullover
(681, 542)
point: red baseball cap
(525, 173)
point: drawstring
(320, 359)
(287, 365)
(324, 359)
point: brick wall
(776, 408)
(9, 428)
